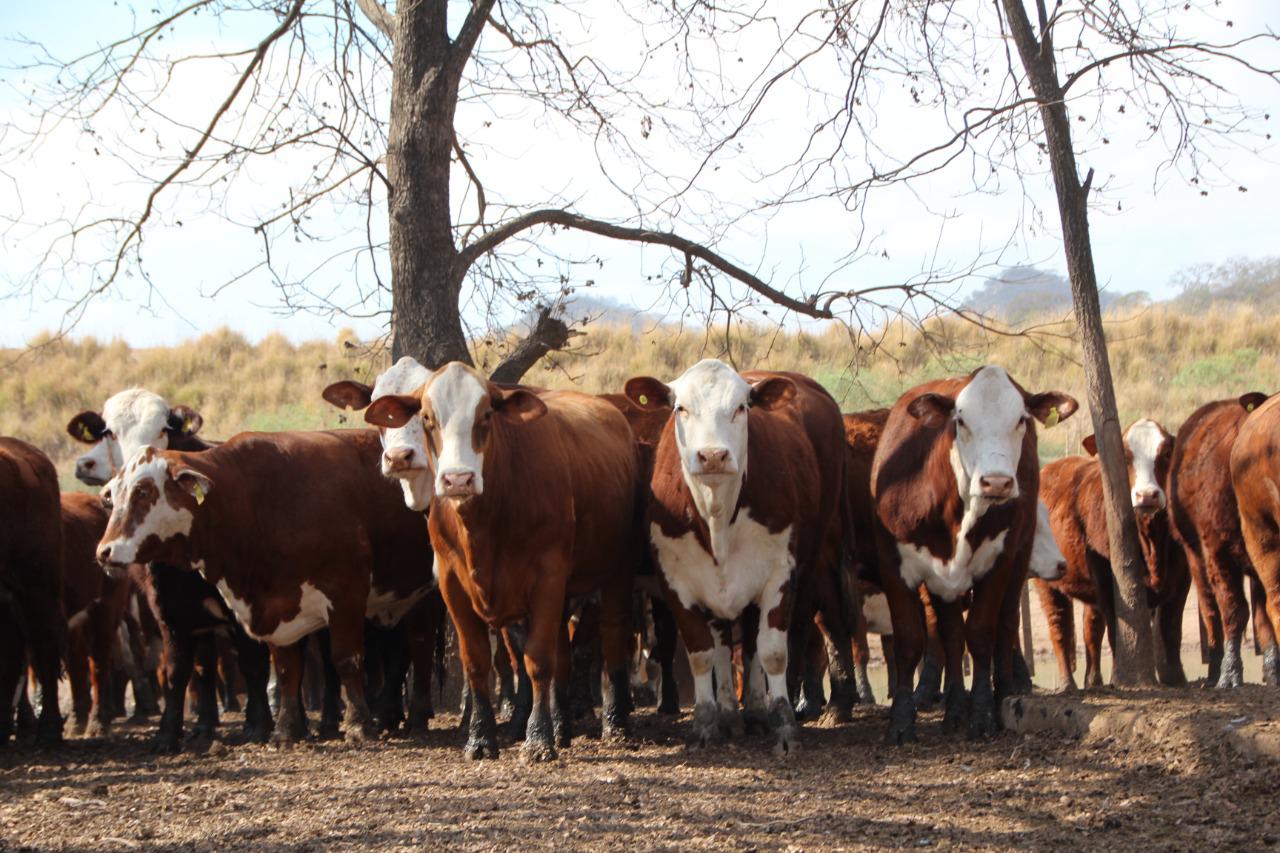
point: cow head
(130, 420)
(458, 410)
(988, 420)
(1148, 450)
(404, 449)
(710, 404)
(153, 502)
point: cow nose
(104, 554)
(459, 483)
(398, 458)
(1146, 499)
(994, 486)
(713, 459)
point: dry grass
(1165, 365)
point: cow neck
(970, 510)
(1154, 534)
(718, 507)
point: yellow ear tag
(199, 492)
(1249, 408)
(644, 399)
(85, 433)
(1052, 421)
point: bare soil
(1180, 786)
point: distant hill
(1253, 283)
(1019, 293)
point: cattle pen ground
(1173, 780)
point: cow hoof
(731, 723)
(788, 742)
(1271, 666)
(1230, 680)
(807, 711)
(359, 733)
(97, 729)
(902, 722)
(612, 732)
(166, 743)
(536, 752)
(754, 722)
(706, 726)
(281, 739)
(866, 695)
(1065, 688)
(78, 728)
(982, 724)
(836, 715)
(328, 730)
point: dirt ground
(1182, 787)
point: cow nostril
(996, 486)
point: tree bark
(426, 278)
(548, 333)
(1135, 662)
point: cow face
(130, 420)
(988, 420)
(458, 410)
(710, 404)
(153, 504)
(1148, 450)
(404, 449)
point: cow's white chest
(388, 608)
(951, 579)
(313, 614)
(757, 562)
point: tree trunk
(1135, 662)
(425, 277)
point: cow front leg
(664, 632)
(980, 635)
(546, 627)
(563, 707)
(102, 666)
(1059, 614)
(617, 638)
(950, 620)
(206, 675)
(907, 612)
(771, 652)
(178, 662)
(477, 659)
(346, 642)
(700, 644)
(291, 720)
(254, 662)
(78, 678)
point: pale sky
(1162, 225)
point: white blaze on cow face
(404, 449)
(1144, 440)
(991, 419)
(143, 507)
(455, 395)
(134, 419)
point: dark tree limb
(379, 17)
(549, 333)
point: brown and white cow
(296, 530)
(1202, 507)
(31, 614)
(955, 479)
(1072, 489)
(746, 488)
(188, 609)
(533, 504)
(1255, 477)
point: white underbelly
(757, 563)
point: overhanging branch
(549, 333)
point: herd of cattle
(565, 531)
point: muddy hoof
(902, 722)
(537, 752)
(836, 715)
(706, 726)
(97, 729)
(787, 743)
(982, 723)
(480, 748)
(282, 739)
(359, 732)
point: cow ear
(517, 405)
(194, 483)
(1090, 445)
(1252, 400)
(769, 394)
(185, 420)
(933, 409)
(393, 410)
(87, 427)
(647, 393)
(1052, 407)
(348, 395)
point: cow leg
(1261, 534)
(546, 628)
(950, 621)
(504, 673)
(395, 669)
(563, 710)
(1264, 637)
(477, 659)
(228, 674)
(102, 666)
(981, 629)
(701, 643)
(1210, 618)
(12, 659)
(346, 645)
(617, 639)
(1059, 614)
(422, 623)
(810, 655)
(833, 620)
(890, 667)
(255, 665)
(665, 635)
(771, 651)
(582, 647)
(907, 612)
(514, 639)
(1169, 621)
(1228, 588)
(928, 691)
(46, 644)
(1095, 626)
(206, 675)
(860, 648)
(330, 686)
(78, 676)
(291, 720)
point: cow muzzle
(997, 487)
(399, 460)
(88, 471)
(715, 461)
(457, 484)
(1148, 500)
(111, 558)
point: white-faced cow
(1072, 488)
(746, 490)
(297, 530)
(533, 504)
(187, 608)
(955, 479)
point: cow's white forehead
(454, 391)
(1144, 439)
(992, 393)
(139, 467)
(136, 414)
(710, 384)
(403, 377)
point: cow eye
(105, 497)
(681, 410)
(106, 433)
(960, 423)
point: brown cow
(297, 531)
(955, 479)
(95, 605)
(1255, 473)
(746, 491)
(1072, 489)
(1202, 508)
(533, 504)
(31, 614)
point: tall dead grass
(1165, 364)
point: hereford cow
(326, 541)
(1202, 508)
(746, 489)
(955, 479)
(1072, 489)
(95, 606)
(534, 504)
(1255, 473)
(31, 615)
(188, 609)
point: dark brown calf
(1255, 477)
(31, 615)
(1203, 510)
